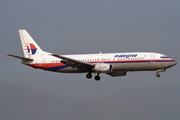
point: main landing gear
(89, 76)
(97, 77)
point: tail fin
(29, 46)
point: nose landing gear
(161, 70)
(157, 75)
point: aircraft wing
(74, 63)
(21, 58)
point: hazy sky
(89, 26)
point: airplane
(113, 64)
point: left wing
(82, 66)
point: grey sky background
(81, 26)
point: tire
(89, 76)
(157, 75)
(97, 78)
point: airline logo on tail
(31, 48)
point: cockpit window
(164, 57)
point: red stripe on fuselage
(50, 65)
(45, 65)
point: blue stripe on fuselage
(57, 68)
(65, 66)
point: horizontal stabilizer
(21, 58)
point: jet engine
(102, 68)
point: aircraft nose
(174, 63)
(169, 64)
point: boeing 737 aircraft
(113, 64)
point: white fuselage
(132, 61)
(113, 64)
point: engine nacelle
(102, 68)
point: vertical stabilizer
(29, 46)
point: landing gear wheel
(157, 75)
(89, 76)
(97, 78)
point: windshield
(164, 57)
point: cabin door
(44, 62)
(152, 58)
